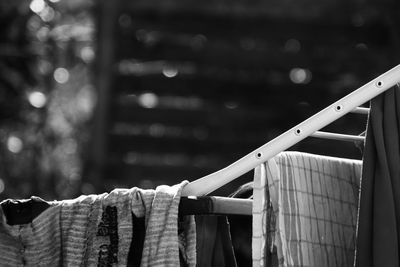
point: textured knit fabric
(378, 237)
(162, 243)
(78, 222)
(315, 201)
(96, 230)
(34, 244)
(74, 232)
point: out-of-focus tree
(46, 97)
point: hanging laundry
(263, 248)
(96, 230)
(241, 228)
(314, 200)
(378, 232)
(214, 243)
(162, 243)
(37, 243)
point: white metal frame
(308, 127)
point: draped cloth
(96, 230)
(315, 202)
(379, 213)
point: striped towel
(96, 230)
(162, 243)
(314, 200)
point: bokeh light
(14, 144)
(61, 75)
(300, 75)
(47, 96)
(87, 54)
(37, 6)
(170, 72)
(2, 186)
(37, 99)
(47, 14)
(148, 100)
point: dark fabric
(241, 234)
(195, 206)
(214, 244)
(136, 249)
(241, 229)
(23, 211)
(379, 214)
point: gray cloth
(162, 243)
(34, 244)
(96, 230)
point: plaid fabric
(314, 200)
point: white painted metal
(360, 110)
(336, 136)
(341, 107)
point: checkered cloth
(314, 200)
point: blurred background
(102, 94)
